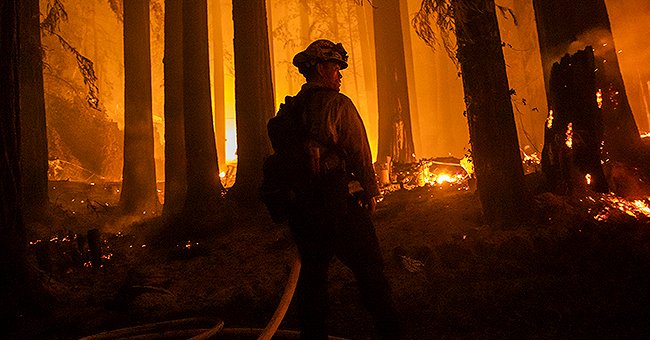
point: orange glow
(549, 120)
(588, 178)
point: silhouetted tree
(395, 133)
(14, 290)
(253, 95)
(139, 174)
(492, 130)
(203, 184)
(32, 106)
(175, 161)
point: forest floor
(579, 268)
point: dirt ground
(566, 273)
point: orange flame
(549, 120)
(599, 98)
(569, 136)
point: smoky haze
(630, 21)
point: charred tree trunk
(13, 263)
(139, 174)
(571, 155)
(490, 118)
(395, 133)
(175, 161)
(32, 106)
(253, 94)
(562, 23)
(203, 184)
(218, 84)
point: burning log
(571, 158)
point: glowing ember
(569, 136)
(588, 178)
(549, 120)
(599, 98)
(645, 135)
(611, 204)
(439, 173)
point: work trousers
(344, 229)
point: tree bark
(253, 94)
(566, 26)
(203, 184)
(139, 174)
(32, 118)
(175, 161)
(395, 133)
(571, 154)
(14, 281)
(492, 130)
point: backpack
(300, 160)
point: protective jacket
(334, 120)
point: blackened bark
(571, 155)
(492, 129)
(32, 111)
(395, 133)
(14, 281)
(139, 174)
(175, 161)
(203, 184)
(253, 95)
(563, 22)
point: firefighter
(328, 219)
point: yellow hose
(289, 289)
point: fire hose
(285, 300)
(155, 330)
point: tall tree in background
(561, 23)
(14, 292)
(33, 127)
(139, 174)
(395, 133)
(492, 130)
(218, 77)
(253, 94)
(175, 161)
(203, 184)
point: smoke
(630, 23)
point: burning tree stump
(571, 158)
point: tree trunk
(175, 161)
(566, 26)
(203, 184)
(571, 154)
(13, 264)
(395, 134)
(492, 129)
(139, 193)
(218, 88)
(32, 118)
(253, 94)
